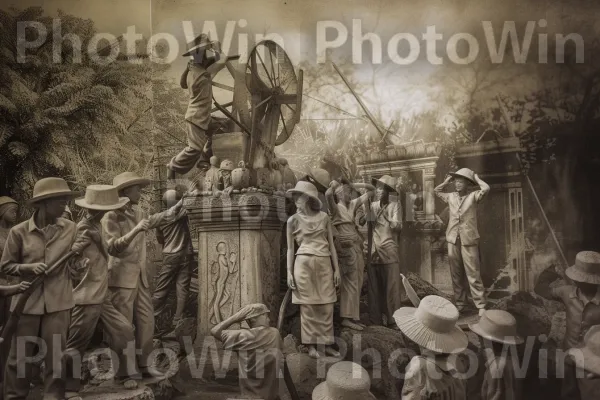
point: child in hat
(260, 351)
(462, 235)
(385, 292)
(31, 248)
(433, 327)
(582, 301)
(310, 273)
(197, 79)
(587, 359)
(349, 246)
(497, 331)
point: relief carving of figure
(224, 267)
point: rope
(332, 106)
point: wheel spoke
(272, 67)
(265, 68)
(290, 107)
(284, 125)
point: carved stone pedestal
(238, 240)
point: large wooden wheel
(276, 91)
(263, 100)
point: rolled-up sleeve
(11, 256)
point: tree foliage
(80, 120)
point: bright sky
(295, 22)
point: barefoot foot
(352, 325)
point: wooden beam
(222, 86)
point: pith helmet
(465, 173)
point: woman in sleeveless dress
(349, 246)
(311, 275)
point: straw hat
(432, 325)
(306, 188)
(465, 173)
(586, 268)
(127, 179)
(320, 178)
(588, 356)
(47, 188)
(102, 198)
(199, 42)
(345, 381)
(497, 326)
(7, 200)
(258, 309)
(388, 181)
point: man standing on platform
(463, 237)
(197, 78)
(385, 291)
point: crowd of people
(93, 270)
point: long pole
(511, 132)
(362, 105)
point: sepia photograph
(299, 199)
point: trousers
(175, 271)
(136, 306)
(465, 260)
(352, 266)
(52, 329)
(187, 158)
(117, 329)
(385, 292)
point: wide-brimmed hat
(345, 381)
(432, 325)
(497, 326)
(465, 173)
(318, 177)
(588, 356)
(127, 179)
(200, 41)
(7, 200)
(258, 309)
(388, 181)
(101, 198)
(47, 188)
(586, 268)
(6, 203)
(306, 188)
